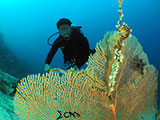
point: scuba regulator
(48, 41)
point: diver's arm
(52, 52)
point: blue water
(26, 25)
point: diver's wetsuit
(75, 50)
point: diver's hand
(68, 65)
(76, 68)
(47, 68)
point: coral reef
(7, 89)
(118, 83)
(134, 94)
(86, 94)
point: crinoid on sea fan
(93, 94)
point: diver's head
(64, 27)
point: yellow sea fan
(56, 96)
(136, 86)
(83, 94)
(134, 95)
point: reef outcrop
(8, 84)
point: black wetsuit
(75, 50)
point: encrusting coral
(118, 83)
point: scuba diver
(73, 44)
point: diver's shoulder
(76, 30)
(58, 40)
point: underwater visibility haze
(26, 25)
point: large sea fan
(85, 94)
(134, 95)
